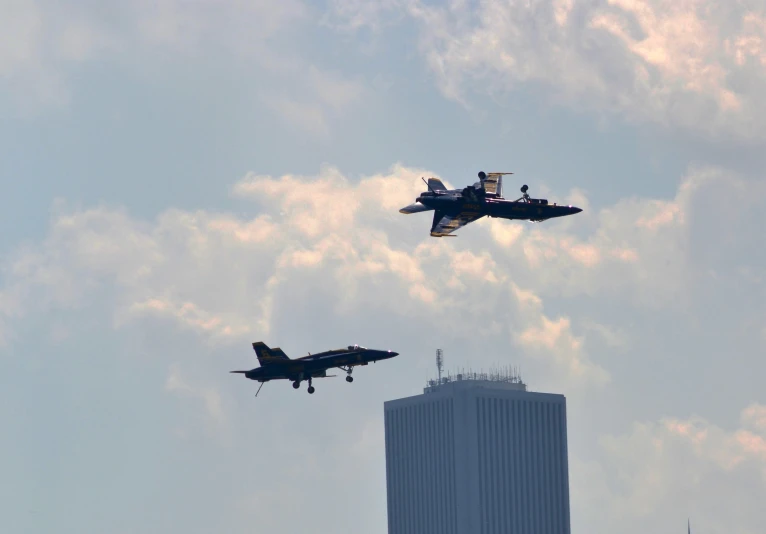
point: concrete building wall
(476, 457)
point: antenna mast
(439, 363)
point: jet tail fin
(434, 184)
(266, 354)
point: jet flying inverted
(276, 365)
(455, 208)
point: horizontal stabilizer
(417, 207)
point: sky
(182, 178)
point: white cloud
(227, 278)
(312, 104)
(754, 417)
(553, 339)
(190, 315)
(324, 257)
(350, 15)
(308, 117)
(333, 89)
(696, 64)
(176, 383)
(193, 268)
(659, 473)
(613, 337)
(240, 26)
(654, 252)
(42, 44)
(37, 41)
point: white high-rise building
(477, 454)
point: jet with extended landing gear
(276, 365)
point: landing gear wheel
(311, 389)
(296, 384)
(348, 370)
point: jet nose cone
(575, 209)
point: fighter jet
(455, 208)
(275, 364)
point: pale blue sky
(136, 272)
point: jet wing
(446, 224)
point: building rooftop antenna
(440, 363)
